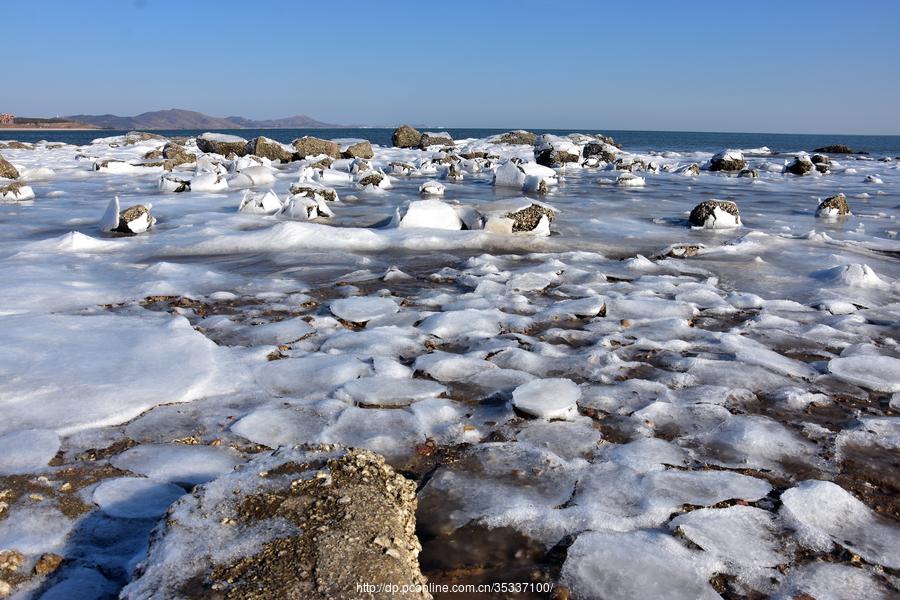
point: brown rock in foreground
(310, 524)
(313, 146)
(7, 170)
(405, 137)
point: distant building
(6, 118)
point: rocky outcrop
(313, 146)
(7, 170)
(800, 165)
(553, 158)
(834, 206)
(727, 160)
(405, 137)
(268, 148)
(175, 155)
(835, 149)
(435, 139)
(311, 524)
(821, 162)
(361, 149)
(715, 214)
(599, 150)
(220, 143)
(520, 137)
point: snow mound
(548, 398)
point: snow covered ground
(647, 408)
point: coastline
(2, 129)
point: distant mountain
(188, 119)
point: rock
(375, 179)
(751, 173)
(600, 150)
(7, 170)
(820, 159)
(401, 168)
(313, 146)
(361, 149)
(681, 250)
(136, 137)
(259, 203)
(431, 138)
(520, 216)
(690, 170)
(630, 180)
(314, 190)
(800, 165)
(324, 521)
(134, 219)
(405, 137)
(727, 160)
(552, 151)
(520, 137)
(47, 563)
(220, 143)
(174, 183)
(153, 155)
(268, 148)
(432, 188)
(834, 206)
(16, 192)
(15, 145)
(5, 589)
(11, 560)
(528, 218)
(305, 207)
(715, 214)
(627, 163)
(836, 149)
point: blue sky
(767, 66)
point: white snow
(879, 373)
(432, 214)
(27, 450)
(548, 398)
(360, 309)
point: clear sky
(765, 66)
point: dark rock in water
(836, 149)
(519, 137)
(313, 146)
(835, 206)
(222, 144)
(800, 165)
(706, 209)
(751, 173)
(693, 168)
(311, 191)
(373, 179)
(325, 521)
(684, 250)
(820, 159)
(268, 148)
(527, 219)
(630, 164)
(551, 157)
(600, 150)
(405, 137)
(429, 139)
(7, 170)
(134, 219)
(361, 149)
(728, 160)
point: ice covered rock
(16, 192)
(727, 160)
(314, 190)
(183, 464)
(432, 188)
(801, 165)
(384, 391)
(878, 373)
(303, 207)
(599, 150)
(257, 175)
(548, 398)
(554, 152)
(638, 564)
(209, 182)
(313, 146)
(220, 143)
(27, 451)
(715, 214)
(405, 137)
(432, 214)
(873, 179)
(361, 149)
(268, 148)
(834, 206)
(630, 180)
(519, 137)
(374, 179)
(7, 171)
(249, 532)
(435, 138)
(135, 497)
(260, 203)
(823, 514)
(520, 216)
(529, 177)
(172, 183)
(361, 309)
(853, 276)
(134, 219)
(690, 170)
(749, 173)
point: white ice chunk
(389, 391)
(548, 398)
(360, 309)
(432, 214)
(879, 373)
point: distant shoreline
(49, 129)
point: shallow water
(719, 380)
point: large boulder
(134, 219)
(175, 155)
(727, 160)
(7, 170)
(801, 165)
(599, 150)
(835, 149)
(553, 151)
(715, 214)
(520, 137)
(435, 138)
(834, 206)
(313, 146)
(268, 148)
(405, 137)
(296, 523)
(361, 149)
(220, 143)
